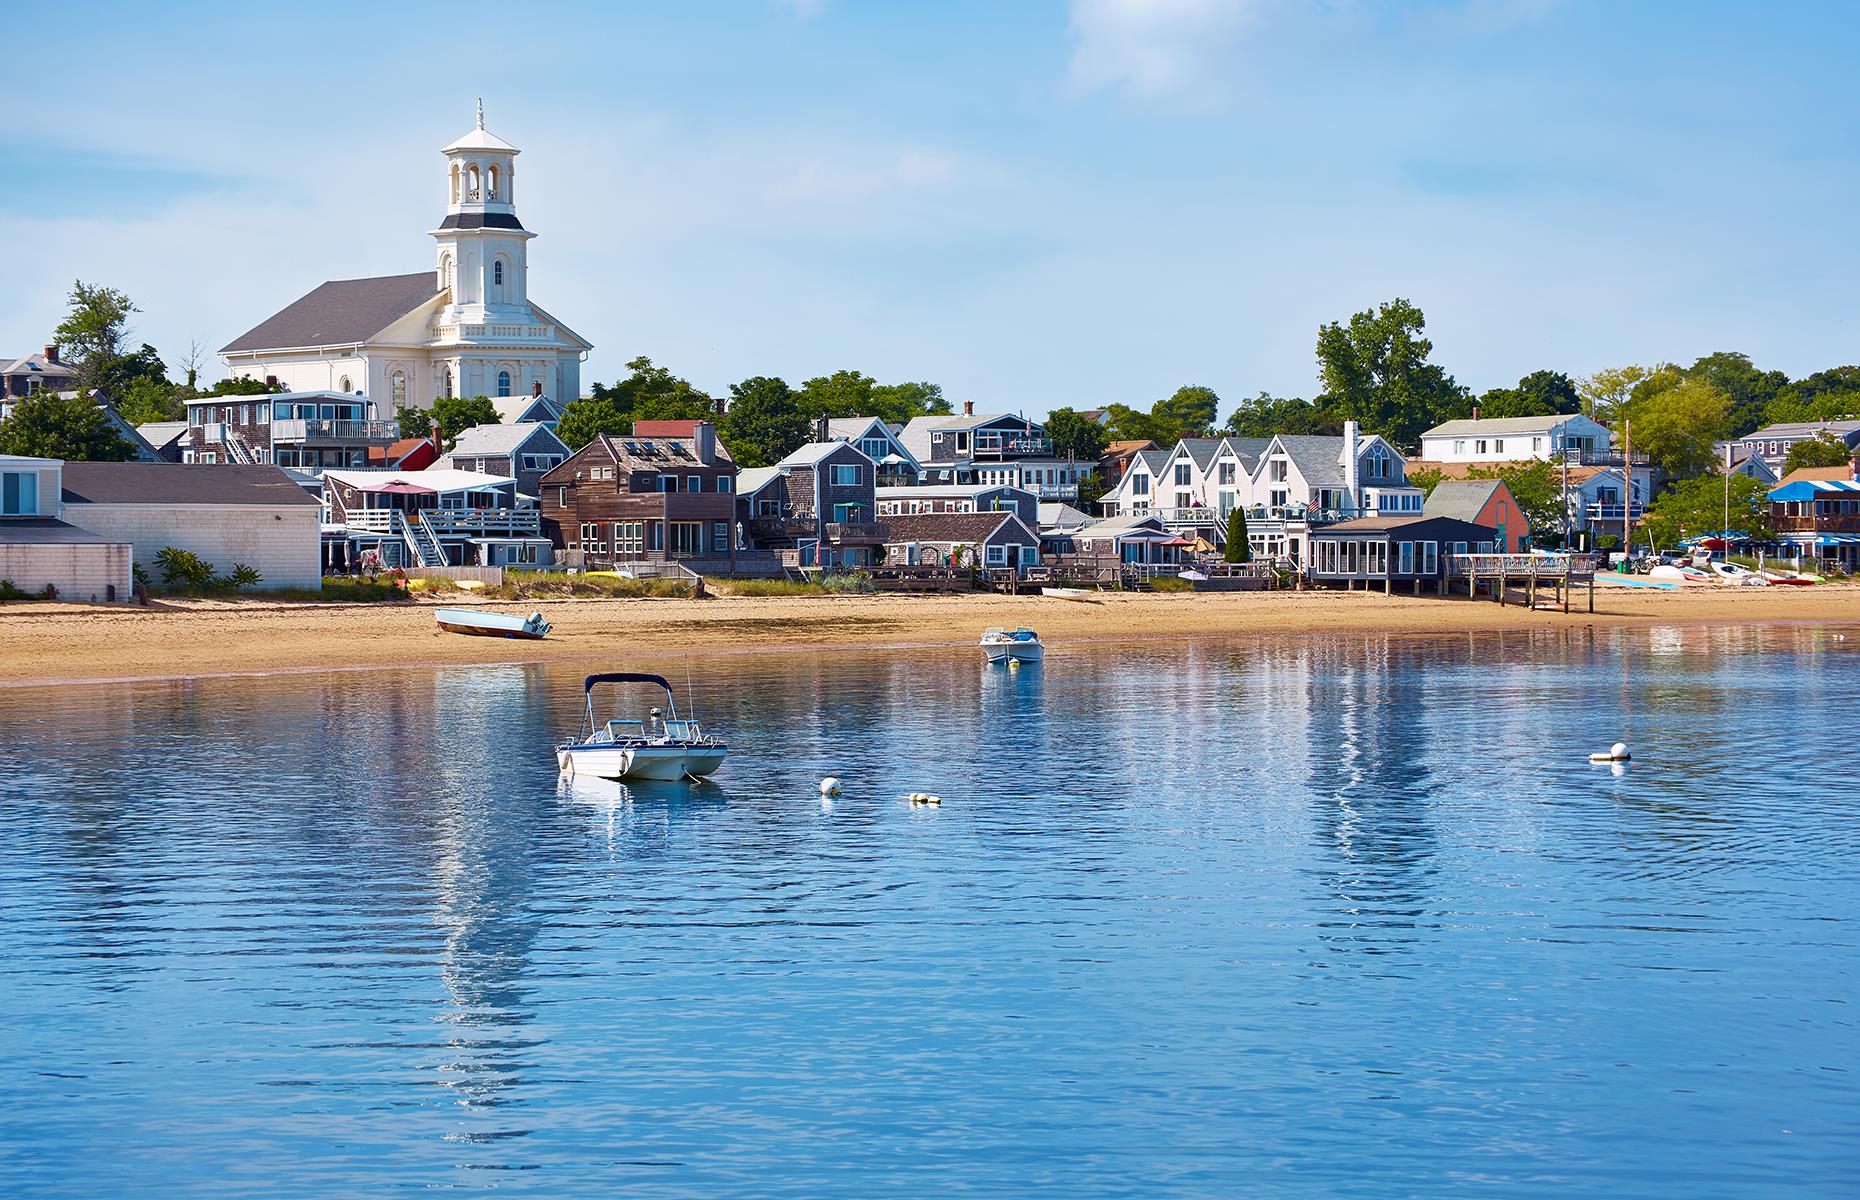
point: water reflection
(1251, 894)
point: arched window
(397, 384)
(472, 184)
(497, 273)
(445, 273)
(493, 181)
(343, 385)
(455, 183)
(445, 382)
(503, 383)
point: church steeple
(482, 258)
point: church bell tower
(482, 257)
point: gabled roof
(915, 436)
(751, 480)
(1502, 425)
(339, 312)
(180, 483)
(1155, 460)
(1319, 458)
(1055, 515)
(1126, 448)
(842, 429)
(514, 410)
(1123, 526)
(494, 440)
(1461, 499)
(1817, 474)
(813, 452)
(951, 527)
(1201, 451)
(1247, 450)
(1796, 429)
(161, 433)
(37, 364)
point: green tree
(1822, 450)
(146, 400)
(94, 334)
(242, 385)
(1536, 485)
(764, 423)
(1074, 436)
(1539, 394)
(652, 393)
(1696, 507)
(1127, 424)
(1606, 392)
(1677, 424)
(1830, 395)
(852, 394)
(456, 414)
(413, 422)
(1190, 412)
(899, 402)
(1375, 369)
(1264, 416)
(1748, 389)
(1238, 549)
(47, 425)
(1425, 478)
(587, 417)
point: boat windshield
(682, 731)
(1026, 635)
(626, 729)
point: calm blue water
(1276, 918)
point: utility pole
(1724, 534)
(1627, 490)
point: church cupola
(482, 259)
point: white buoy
(829, 786)
(1617, 753)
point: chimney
(51, 353)
(1354, 499)
(1475, 412)
(718, 406)
(704, 441)
(968, 408)
(434, 434)
(820, 430)
(536, 388)
(271, 381)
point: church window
(445, 383)
(497, 272)
(397, 384)
(473, 189)
(493, 181)
(503, 383)
(343, 385)
(455, 183)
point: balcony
(450, 522)
(311, 430)
(1844, 523)
(857, 533)
(1604, 514)
(996, 447)
(782, 528)
(1582, 456)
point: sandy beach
(51, 643)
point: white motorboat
(1012, 645)
(659, 747)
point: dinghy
(1019, 645)
(485, 624)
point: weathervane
(481, 112)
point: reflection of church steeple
(482, 257)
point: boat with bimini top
(659, 747)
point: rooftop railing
(304, 429)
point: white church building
(465, 328)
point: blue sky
(1033, 204)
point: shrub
(846, 581)
(1170, 583)
(767, 587)
(10, 591)
(244, 577)
(184, 568)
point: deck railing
(305, 429)
(451, 522)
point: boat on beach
(487, 624)
(1016, 645)
(658, 747)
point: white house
(40, 550)
(1515, 439)
(228, 514)
(467, 327)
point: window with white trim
(19, 493)
(846, 475)
(997, 556)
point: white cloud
(1154, 48)
(862, 177)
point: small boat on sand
(486, 624)
(659, 747)
(1017, 645)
